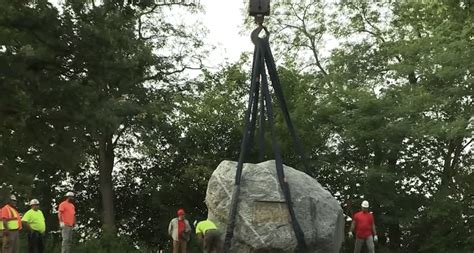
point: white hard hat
(34, 202)
(365, 204)
(70, 194)
(13, 197)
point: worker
(11, 226)
(34, 221)
(364, 226)
(1, 227)
(180, 231)
(209, 236)
(67, 221)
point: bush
(109, 245)
(99, 245)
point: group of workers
(363, 225)
(33, 222)
(179, 229)
(206, 232)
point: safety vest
(14, 219)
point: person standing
(179, 230)
(364, 226)
(209, 235)
(11, 226)
(1, 227)
(35, 223)
(67, 220)
(1, 230)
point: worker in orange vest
(11, 221)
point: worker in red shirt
(180, 231)
(364, 226)
(67, 220)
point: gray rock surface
(262, 223)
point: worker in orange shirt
(1, 226)
(67, 220)
(11, 221)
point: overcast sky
(225, 20)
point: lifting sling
(260, 108)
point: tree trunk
(394, 236)
(46, 202)
(106, 165)
(394, 231)
(451, 157)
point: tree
(79, 85)
(115, 69)
(395, 106)
(89, 102)
(37, 138)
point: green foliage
(396, 115)
(107, 246)
(87, 103)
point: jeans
(212, 241)
(179, 246)
(67, 239)
(11, 243)
(35, 242)
(370, 244)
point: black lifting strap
(259, 83)
(279, 168)
(244, 147)
(282, 102)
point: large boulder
(262, 223)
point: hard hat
(180, 212)
(12, 197)
(365, 204)
(34, 202)
(70, 194)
